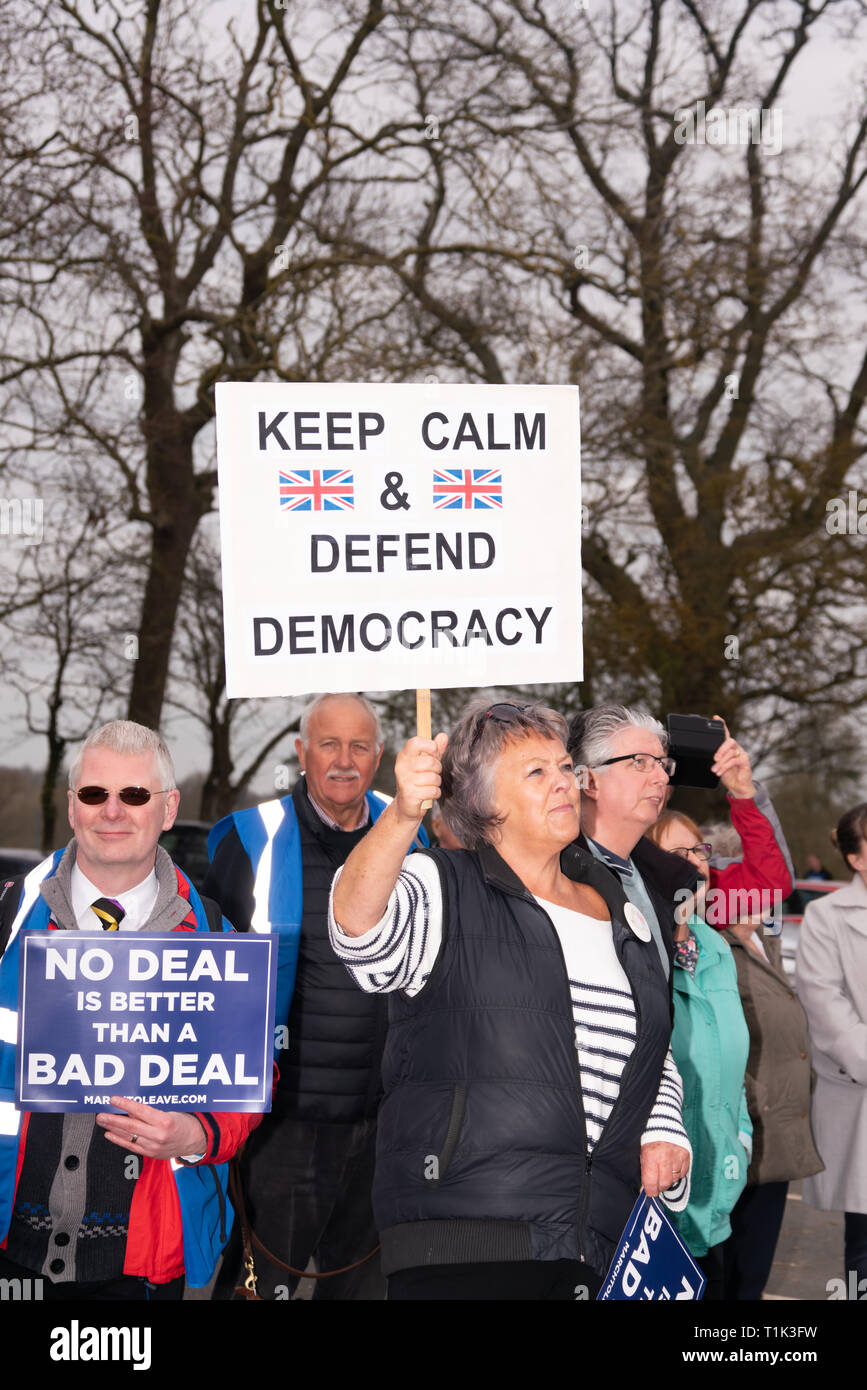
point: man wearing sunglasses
(75, 1209)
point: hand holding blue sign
(153, 1133)
(662, 1165)
(651, 1262)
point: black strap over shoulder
(10, 897)
(213, 914)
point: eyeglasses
(130, 796)
(642, 762)
(700, 851)
(502, 714)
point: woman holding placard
(529, 1089)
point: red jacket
(759, 881)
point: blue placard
(183, 1020)
(651, 1262)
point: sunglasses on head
(130, 796)
(501, 714)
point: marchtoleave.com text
(770, 1356)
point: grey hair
(592, 732)
(304, 727)
(470, 759)
(726, 841)
(123, 736)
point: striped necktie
(110, 913)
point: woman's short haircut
(851, 832)
(470, 760)
(658, 829)
(123, 736)
(592, 732)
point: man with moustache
(308, 1176)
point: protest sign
(651, 1263)
(184, 1020)
(380, 537)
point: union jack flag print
(317, 490)
(467, 489)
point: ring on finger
(133, 1138)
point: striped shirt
(398, 953)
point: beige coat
(832, 983)
(779, 1076)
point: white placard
(384, 537)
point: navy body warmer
(482, 1150)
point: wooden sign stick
(423, 726)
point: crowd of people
(486, 1049)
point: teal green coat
(710, 1043)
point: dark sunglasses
(130, 796)
(502, 714)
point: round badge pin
(637, 921)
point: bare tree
(184, 165)
(62, 652)
(496, 191)
(245, 732)
(574, 222)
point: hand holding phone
(694, 743)
(732, 766)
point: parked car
(803, 892)
(18, 861)
(187, 843)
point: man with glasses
(623, 766)
(96, 1205)
(621, 759)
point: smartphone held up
(693, 742)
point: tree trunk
(47, 805)
(177, 501)
(218, 793)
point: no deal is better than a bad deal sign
(184, 1020)
(379, 537)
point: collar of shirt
(636, 891)
(137, 903)
(332, 824)
(623, 866)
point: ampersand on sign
(392, 499)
